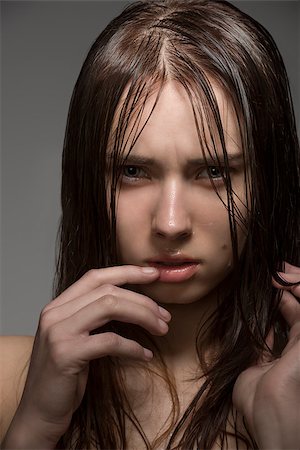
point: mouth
(174, 270)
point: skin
(268, 392)
(173, 208)
(155, 216)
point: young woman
(176, 317)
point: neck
(178, 346)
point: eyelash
(221, 172)
(134, 179)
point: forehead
(158, 122)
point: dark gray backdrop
(43, 46)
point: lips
(174, 269)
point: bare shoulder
(12, 348)
(15, 353)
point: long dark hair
(192, 42)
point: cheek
(212, 221)
(221, 246)
(214, 238)
(130, 227)
(219, 215)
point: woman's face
(168, 213)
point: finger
(290, 268)
(117, 275)
(282, 280)
(289, 308)
(109, 308)
(62, 311)
(99, 345)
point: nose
(171, 219)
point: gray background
(43, 46)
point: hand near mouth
(64, 345)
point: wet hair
(191, 42)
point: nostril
(173, 234)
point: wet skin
(168, 205)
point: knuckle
(92, 273)
(108, 289)
(47, 319)
(47, 308)
(110, 302)
(112, 341)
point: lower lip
(175, 274)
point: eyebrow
(151, 162)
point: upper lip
(180, 258)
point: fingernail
(148, 354)
(149, 270)
(282, 281)
(164, 313)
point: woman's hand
(63, 345)
(268, 394)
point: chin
(174, 293)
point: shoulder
(11, 346)
(15, 353)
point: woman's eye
(213, 172)
(133, 172)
